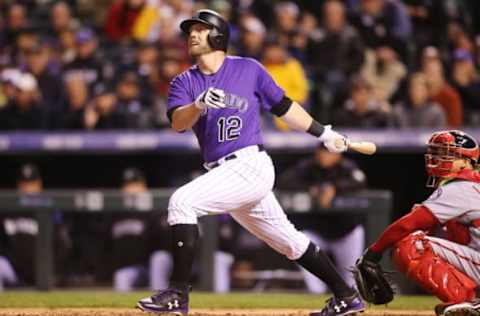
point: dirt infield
(197, 312)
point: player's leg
(466, 260)
(223, 264)
(346, 250)
(161, 264)
(268, 222)
(235, 184)
(124, 278)
(314, 284)
(7, 274)
(446, 269)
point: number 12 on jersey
(229, 128)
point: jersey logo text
(233, 101)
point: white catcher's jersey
(459, 200)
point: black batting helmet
(219, 34)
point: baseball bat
(366, 148)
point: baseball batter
(221, 99)
(448, 267)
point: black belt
(233, 156)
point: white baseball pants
(243, 188)
(464, 258)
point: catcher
(447, 266)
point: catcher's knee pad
(414, 256)
(181, 208)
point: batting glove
(333, 141)
(211, 98)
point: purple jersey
(248, 89)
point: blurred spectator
(300, 39)
(67, 46)
(61, 18)
(335, 51)
(103, 112)
(459, 12)
(47, 72)
(24, 111)
(72, 114)
(121, 18)
(467, 82)
(442, 93)
(168, 69)
(383, 23)
(384, 71)
(252, 37)
(418, 110)
(150, 22)
(129, 238)
(144, 65)
(133, 107)
(324, 176)
(287, 14)
(16, 21)
(287, 72)
(22, 230)
(7, 77)
(26, 40)
(361, 109)
(85, 63)
(160, 19)
(459, 39)
(428, 21)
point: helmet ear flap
(215, 39)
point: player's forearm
(297, 118)
(185, 117)
(420, 218)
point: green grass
(58, 299)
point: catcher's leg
(415, 257)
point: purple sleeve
(178, 95)
(269, 92)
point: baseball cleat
(341, 307)
(469, 308)
(170, 302)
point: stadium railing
(376, 205)
(387, 140)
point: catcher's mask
(443, 148)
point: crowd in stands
(107, 64)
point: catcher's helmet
(219, 34)
(444, 148)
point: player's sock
(317, 262)
(184, 237)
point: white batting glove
(211, 98)
(333, 141)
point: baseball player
(447, 266)
(221, 98)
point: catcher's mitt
(372, 282)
